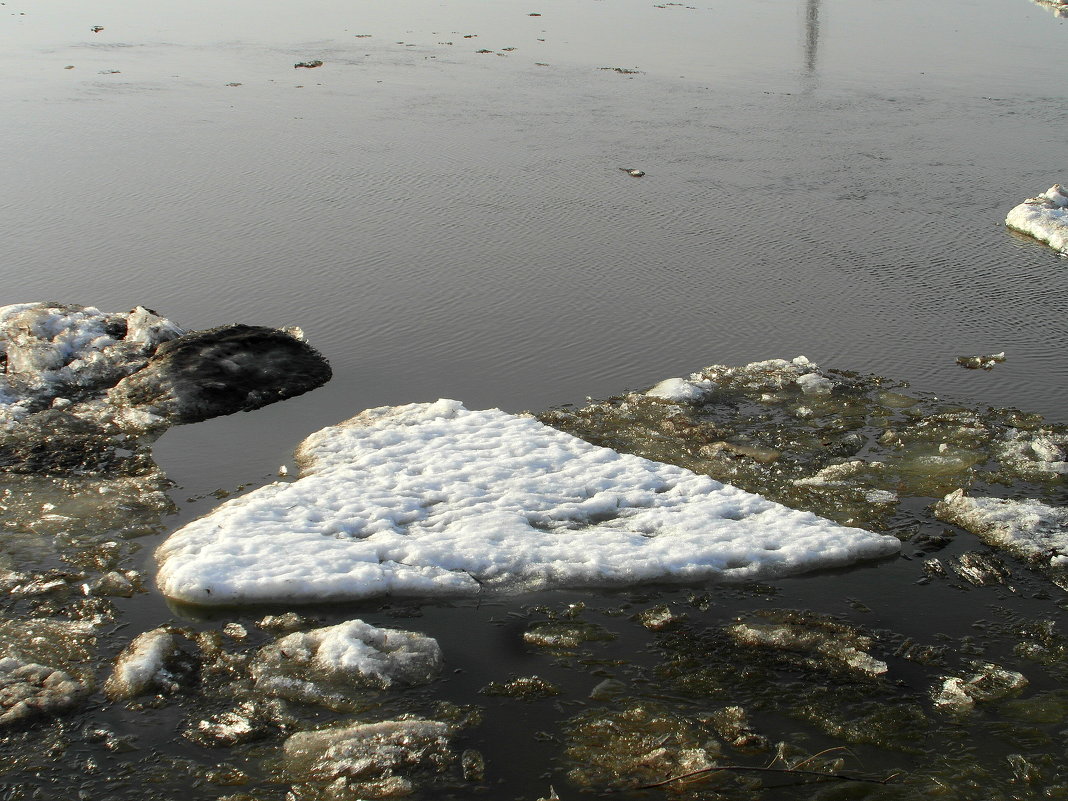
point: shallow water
(823, 177)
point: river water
(822, 177)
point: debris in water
(981, 362)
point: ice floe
(151, 662)
(326, 662)
(369, 760)
(29, 690)
(1030, 528)
(1044, 217)
(434, 499)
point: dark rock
(221, 371)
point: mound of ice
(681, 390)
(57, 352)
(29, 690)
(989, 683)
(434, 499)
(144, 665)
(1044, 217)
(370, 760)
(1030, 528)
(319, 663)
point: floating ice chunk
(815, 384)
(986, 362)
(371, 760)
(1044, 217)
(837, 646)
(29, 690)
(989, 683)
(354, 654)
(681, 390)
(143, 665)
(1034, 453)
(771, 376)
(1029, 529)
(433, 499)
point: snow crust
(1030, 528)
(1044, 217)
(434, 499)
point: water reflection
(812, 34)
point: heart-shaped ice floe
(434, 499)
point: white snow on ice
(50, 349)
(1044, 217)
(1030, 528)
(681, 390)
(434, 499)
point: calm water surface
(824, 177)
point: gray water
(823, 177)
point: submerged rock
(330, 663)
(221, 371)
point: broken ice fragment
(1044, 217)
(981, 362)
(147, 664)
(324, 664)
(1029, 529)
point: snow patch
(1044, 217)
(1029, 529)
(434, 499)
